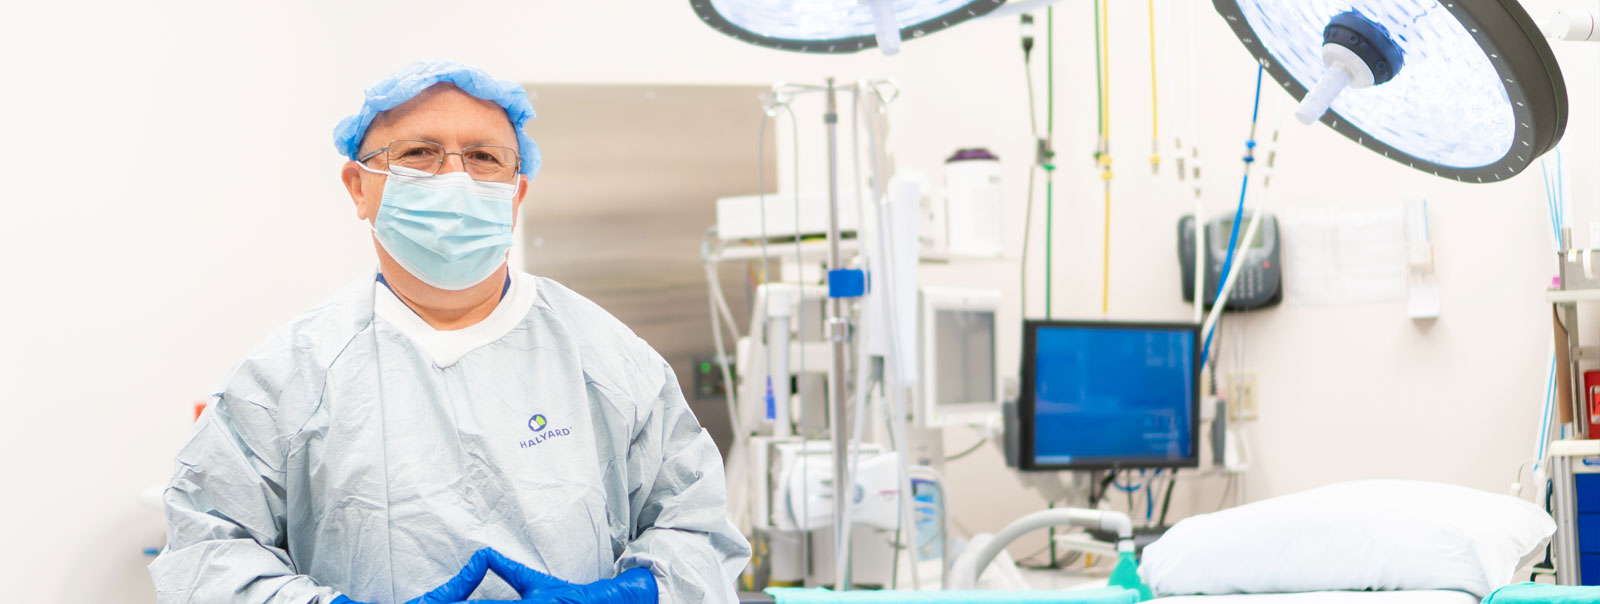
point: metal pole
(1566, 542)
(838, 334)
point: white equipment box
(739, 218)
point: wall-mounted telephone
(1260, 280)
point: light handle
(886, 25)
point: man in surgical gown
(370, 446)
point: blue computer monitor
(1103, 395)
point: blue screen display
(1113, 395)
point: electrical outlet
(1242, 405)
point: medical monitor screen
(964, 356)
(1109, 395)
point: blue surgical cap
(412, 79)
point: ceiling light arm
(1572, 25)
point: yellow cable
(1105, 151)
(1105, 66)
(1105, 272)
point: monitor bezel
(1027, 460)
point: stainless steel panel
(629, 186)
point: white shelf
(1574, 448)
(943, 257)
(816, 248)
(1556, 296)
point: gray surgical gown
(349, 454)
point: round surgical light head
(1463, 89)
(836, 26)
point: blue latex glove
(633, 586)
(458, 588)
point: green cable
(1049, 167)
(1050, 71)
(1051, 505)
(1099, 87)
(1049, 218)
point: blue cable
(1149, 503)
(1561, 197)
(1544, 422)
(1255, 112)
(1545, 171)
(1555, 197)
(1555, 201)
(1118, 485)
(1549, 199)
(1238, 215)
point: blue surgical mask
(448, 231)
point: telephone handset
(1259, 283)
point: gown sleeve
(678, 496)
(225, 510)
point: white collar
(447, 347)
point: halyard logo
(542, 431)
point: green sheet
(1539, 593)
(1109, 595)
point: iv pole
(839, 337)
(840, 331)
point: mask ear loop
(372, 225)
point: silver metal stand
(1565, 544)
(839, 336)
(839, 328)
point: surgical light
(1463, 89)
(836, 26)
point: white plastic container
(972, 204)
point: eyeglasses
(487, 163)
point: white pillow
(1366, 535)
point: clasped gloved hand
(633, 586)
(457, 589)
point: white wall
(173, 197)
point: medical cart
(1575, 472)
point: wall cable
(1155, 99)
(1238, 215)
